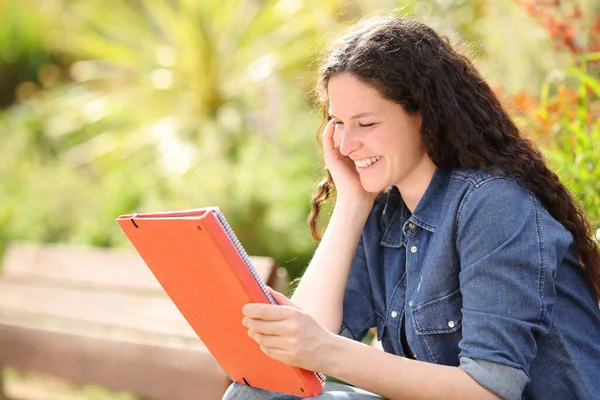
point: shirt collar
(428, 211)
(427, 214)
(395, 213)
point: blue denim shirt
(486, 280)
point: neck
(414, 186)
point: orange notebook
(204, 269)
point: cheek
(410, 142)
(404, 149)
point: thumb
(281, 299)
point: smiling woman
(384, 144)
(449, 235)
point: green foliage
(21, 47)
(570, 111)
(172, 105)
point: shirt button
(411, 225)
(450, 324)
(394, 314)
(415, 356)
(413, 249)
(410, 303)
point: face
(378, 135)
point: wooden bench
(99, 316)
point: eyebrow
(357, 116)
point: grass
(33, 386)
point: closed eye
(366, 125)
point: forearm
(321, 289)
(394, 377)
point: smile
(367, 162)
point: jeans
(332, 391)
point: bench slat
(104, 332)
(93, 266)
(152, 372)
(155, 314)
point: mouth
(367, 162)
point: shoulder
(495, 191)
(501, 205)
(475, 179)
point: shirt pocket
(439, 325)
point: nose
(349, 141)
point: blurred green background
(145, 105)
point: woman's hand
(342, 168)
(288, 334)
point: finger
(269, 341)
(268, 312)
(265, 327)
(335, 138)
(281, 299)
(280, 355)
(258, 310)
(328, 144)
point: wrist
(349, 216)
(355, 205)
(336, 355)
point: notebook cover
(200, 269)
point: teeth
(366, 162)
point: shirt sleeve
(508, 252)
(358, 313)
(506, 382)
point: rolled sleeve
(359, 313)
(507, 284)
(506, 382)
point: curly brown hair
(463, 123)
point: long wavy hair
(463, 123)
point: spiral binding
(238, 246)
(322, 377)
(244, 255)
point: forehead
(349, 94)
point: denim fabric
(486, 279)
(332, 391)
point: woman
(449, 234)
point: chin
(373, 188)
